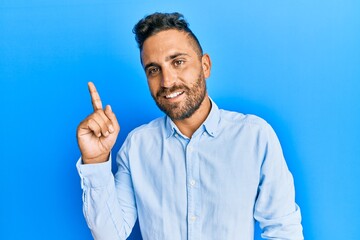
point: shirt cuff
(94, 175)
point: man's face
(175, 73)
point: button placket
(193, 188)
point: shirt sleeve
(109, 212)
(275, 208)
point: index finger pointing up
(95, 98)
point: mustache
(166, 91)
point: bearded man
(199, 172)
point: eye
(153, 71)
(178, 62)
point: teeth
(175, 94)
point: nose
(168, 78)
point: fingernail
(111, 128)
(107, 133)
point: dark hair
(157, 22)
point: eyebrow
(175, 55)
(168, 58)
(150, 65)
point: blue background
(294, 63)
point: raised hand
(97, 134)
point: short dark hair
(157, 22)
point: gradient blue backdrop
(294, 63)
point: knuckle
(98, 112)
(103, 126)
(108, 122)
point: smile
(173, 95)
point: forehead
(166, 43)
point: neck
(189, 125)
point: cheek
(153, 86)
(189, 74)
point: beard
(184, 109)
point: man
(197, 173)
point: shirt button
(192, 183)
(190, 149)
(193, 218)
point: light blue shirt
(212, 186)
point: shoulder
(143, 135)
(156, 124)
(250, 126)
(240, 119)
(147, 131)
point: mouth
(173, 95)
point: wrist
(99, 159)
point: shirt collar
(212, 121)
(170, 127)
(210, 124)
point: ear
(206, 65)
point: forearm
(282, 227)
(275, 209)
(102, 210)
